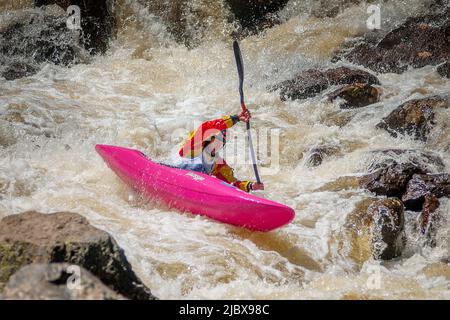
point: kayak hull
(194, 192)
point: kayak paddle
(240, 67)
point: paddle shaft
(240, 67)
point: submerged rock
(54, 282)
(33, 237)
(8, 136)
(426, 160)
(311, 82)
(444, 70)
(189, 22)
(326, 8)
(37, 38)
(418, 42)
(340, 184)
(18, 70)
(376, 229)
(43, 36)
(97, 21)
(356, 95)
(415, 117)
(317, 154)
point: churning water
(148, 91)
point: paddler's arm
(224, 172)
(207, 129)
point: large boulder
(311, 82)
(415, 117)
(418, 42)
(97, 21)
(33, 237)
(444, 69)
(56, 281)
(375, 229)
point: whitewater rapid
(148, 92)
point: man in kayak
(199, 151)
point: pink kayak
(194, 192)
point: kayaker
(200, 151)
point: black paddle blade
(239, 63)
(240, 68)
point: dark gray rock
(33, 237)
(311, 82)
(18, 70)
(37, 38)
(255, 15)
(56, 281)
(98, 21)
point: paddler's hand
(244, 116)
(257, 186)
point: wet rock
(422, 185)
(311, 82)
(341, 183)
(189, 22)
(415, 117)
(97, 21)
(338, 118)
(418, 42)
(429, 216)
(44, 38)
(254, 15)
(444, 70)
(391, 169)
(56, 281)
(390, 180)
(356, 95)
(8, 136)
(326, 8)
(35, 39)
(318, 154)
(376, 229)
(33, 237)
(18, 70)
(425, 160)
